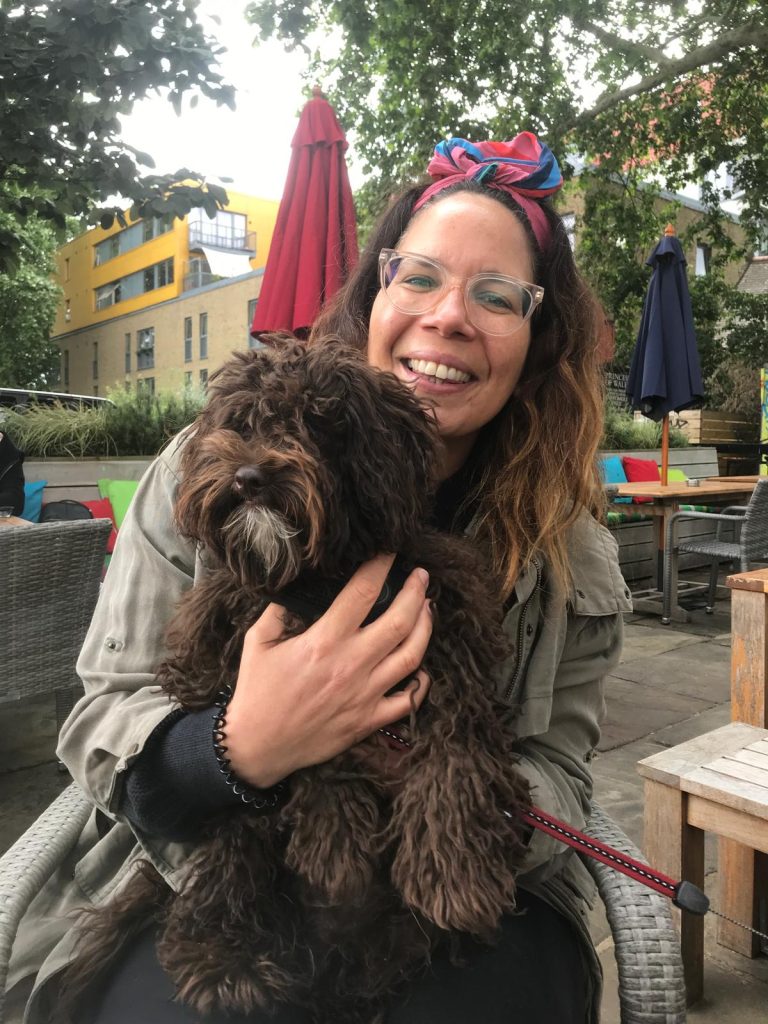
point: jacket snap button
(528, 629)
(580, 593)
(627, 592)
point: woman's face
(468, 234)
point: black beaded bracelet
(259, 799)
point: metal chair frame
(750, 522)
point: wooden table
(14, 521)
(715, 783)
(666, 499)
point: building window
(145, 349)
(128, 352)
(158, 275)
(204, 378)
(224, 230)
(131, 285)
(66, 268)
(95, 390)
(252, 342)
(95, 363)
(65, 368)
(154, 226)
(203, 335)
(187, 378)
(145, 386)
(703, 257)
(67, 310)
(187, 339)
(131, 238)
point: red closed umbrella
(314, 245)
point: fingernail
(423, 576)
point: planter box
(704, 426)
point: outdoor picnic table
(14, 521)
(667, 499)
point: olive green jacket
(562, 650)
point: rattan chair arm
(32, 859)
(646, 944)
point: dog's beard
(260, 531)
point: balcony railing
(221, 237)
(198, 279)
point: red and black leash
(683, 894)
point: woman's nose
(449, 315)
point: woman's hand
(303, 700)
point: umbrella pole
(665, 481)
(665, 450)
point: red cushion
(641, 471)
(101, 508)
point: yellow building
(162, 302)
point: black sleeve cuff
(176, 785)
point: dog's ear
(385, 442)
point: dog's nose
(249, 480)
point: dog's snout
(249, 480)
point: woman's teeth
(438, 370)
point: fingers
(399, 705)
(269, 626)
(404, 659)
(351, 607)
(400, 620)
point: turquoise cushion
(33, 500)
(613, 473)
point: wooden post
(677, 849)
(742, 871)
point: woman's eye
(500, 301)
(419, 282)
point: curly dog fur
(310, 461)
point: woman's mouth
(438, 374)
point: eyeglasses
(495, 304)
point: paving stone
(700, 670)
(641, 642)
(27, 732)
(635, 710)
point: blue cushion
(33, 500)
(613, 473)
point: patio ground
(672, 685)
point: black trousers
(534, 975)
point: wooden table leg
(742, 879)
(677, 849)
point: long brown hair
(538, 455)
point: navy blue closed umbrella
(665, 375)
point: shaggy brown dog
(305, 463)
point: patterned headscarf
(524, 167)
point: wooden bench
(77, 478)
(716, 783)
(637, 554)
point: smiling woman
(467, 295)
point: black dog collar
(311, 595)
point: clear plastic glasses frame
(495, 304)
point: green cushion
(120, 493)
(616, 518)
(676, 476)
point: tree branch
(627, 46)
(752, 34)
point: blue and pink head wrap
(524, 167)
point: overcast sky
(252, 145)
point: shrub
(135, 424)
(622, 432)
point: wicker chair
(751, 545)
(49, 579)
(651, 985)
